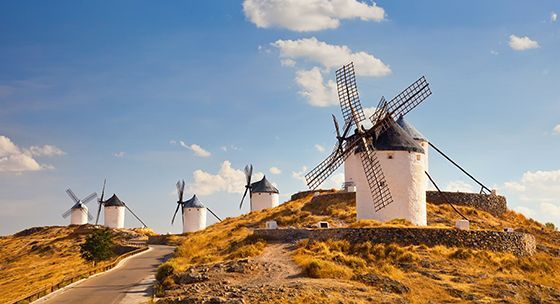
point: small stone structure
(491, 203)
(520, 244)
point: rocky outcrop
(520, 244)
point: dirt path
(282, 267)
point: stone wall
(520, 244)
(493, 204)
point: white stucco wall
(405, 176)
(426, 148)
(194, 219)
(79, 217)
(114, 216)
(261, 201)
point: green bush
(164, 270)
(98, 246)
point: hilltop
(225, 263)
(38, 257)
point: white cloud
(309, 15)
(46, 150)
(495, 53)
(318, 93)
(198, 150)
(319, 148)
(522, 43)
(228, 180)
(288, 62)
(557, 129)
(459, 186)
(16, 159)
(553, 17)
(528, 212)
(331, 56)
(540, 190)
(300, 175)
(275, 170)
(120, 154)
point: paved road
(127, 282)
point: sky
(145, 93)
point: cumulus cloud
(331, 56)
(16, 159)
(538, 191)
(198, 150)
(315, 90)
(46, 150)
(556, 129)
(553, 17)
(522, 43)
(300, 175)
(120, 154)
(318, 91)
(275, 170)
(309, 15)
(228, 180)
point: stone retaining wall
(520, 244)
(493, 204)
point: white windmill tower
(193, 211)
(79, 214)
(113, 211)
(416, 135)
(384, 162)
(262, 194)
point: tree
(98, 246)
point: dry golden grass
(38, 257)
(447, 274)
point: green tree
(98, 246)
(550, 226)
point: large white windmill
(193, 212)
(262, 194)
(79, 214)
(384, 162)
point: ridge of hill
(225, 263)
(40, 256)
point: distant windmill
(385, 163)
(262, 194)
(79, 214)
(113, 211)
(193, 212)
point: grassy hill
(225, 264)
(37, 257)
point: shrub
(164, 271)
(321, 269)
(98, 246)
(461, 253)
(550, 226)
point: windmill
(114, 210)
(367, 153)
(193, 212)
(79, 211)
(262, 194)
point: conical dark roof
(114, 201)
(263, 186)
(193, 203)
(394, 138)
(410, 129)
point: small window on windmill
(323, 225)
(418, 157)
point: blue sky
(146, 93)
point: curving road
(129, 282)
